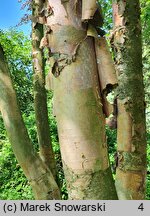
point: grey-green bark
(131, 138)
(38, 174)
(40, 95)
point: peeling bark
(38, 174)
(40, 96)
(106, 68)
(78, 106)
(131, 138)
(81, 128)
(89, 8)
(106, 73)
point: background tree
(17, 44)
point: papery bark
(131, 137)
(106, 68)
(106, 72)
(77, 105)
(40, 95)
(89, 8)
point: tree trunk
(40, 96)
(39, 176)
(131, 138)
(77, 104)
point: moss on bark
(130, 93)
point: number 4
(141, 207)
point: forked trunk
(38, 174)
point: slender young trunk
(38, 174)
(131, 138)
(77, 105)
(40, 96)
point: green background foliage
(17, 47)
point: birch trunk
(77, 104)
(126, 42)
(40, 95)
(38, 174)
